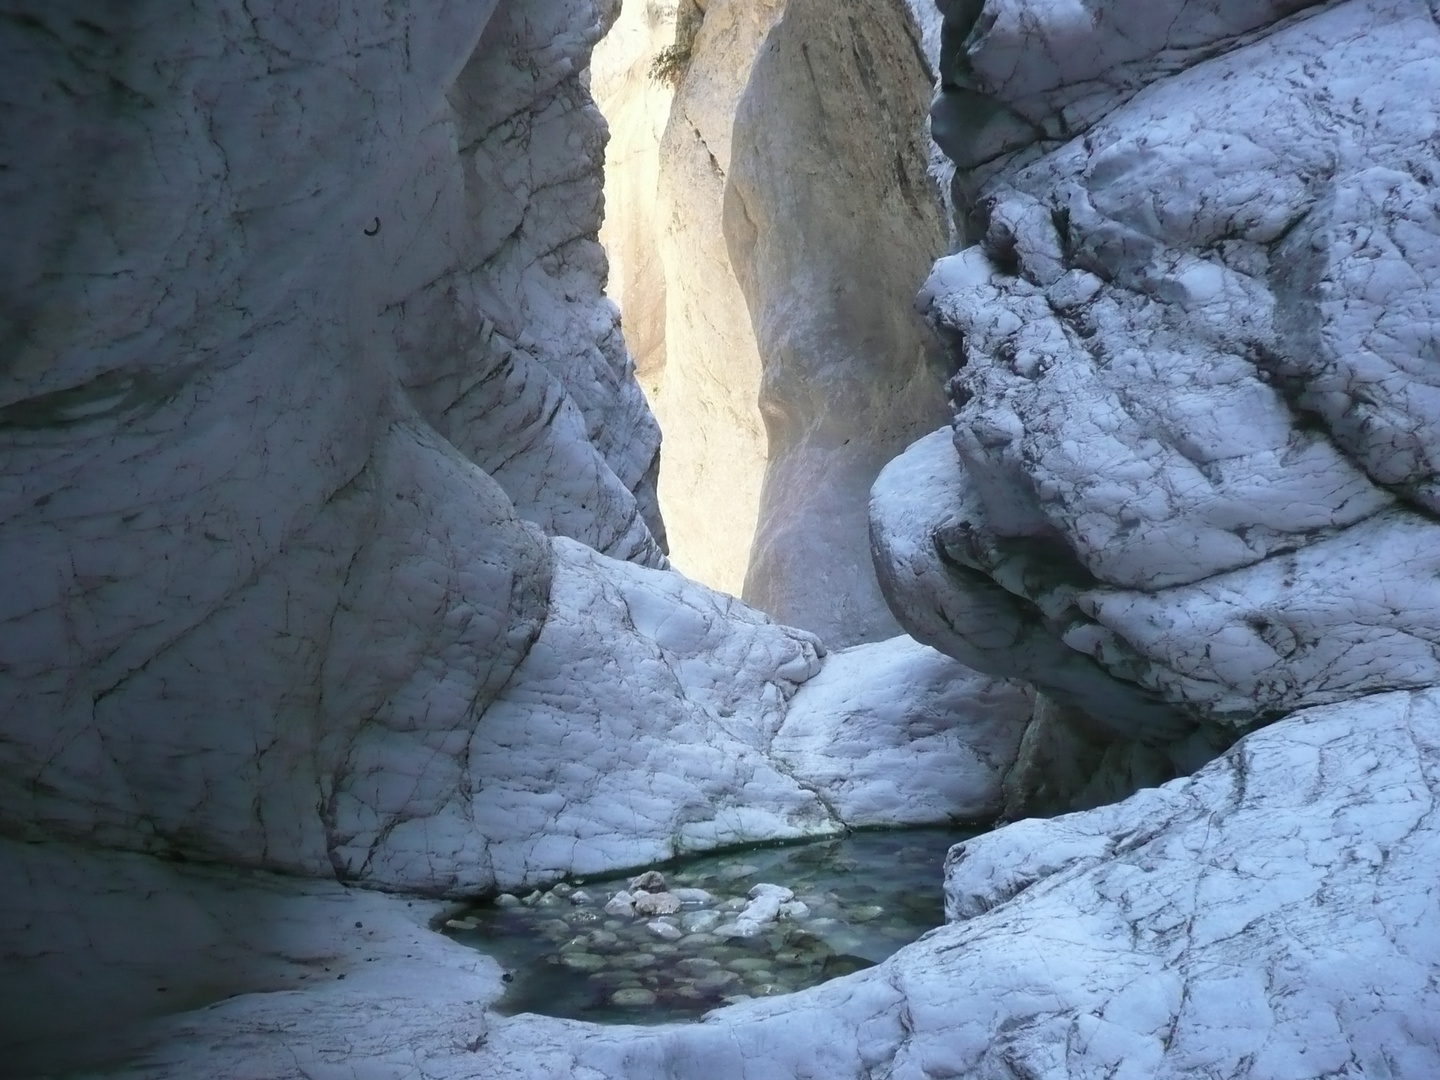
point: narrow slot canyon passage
(1046, 681)
(685, 319)
(766, 230)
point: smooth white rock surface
(636, 108)
(897, 733)
(1271, 917)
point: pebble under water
(712, 930)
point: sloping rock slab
(1271, 916)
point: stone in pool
(716, 980)
(632, 997)
(700, 922)
(746, 963)
(635, 961)
(868, 896)
(582, 961)
(655, 903)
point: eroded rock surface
(266, 609)
(250, 585)
(318, 440)
(768, 244)
(1191, 421)
(896, 733)
(1269, 917)
(832, 221)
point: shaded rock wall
(259, 393)
(1193, 362)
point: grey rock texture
(268, 616)
(513, 355)
(325, 487)
(1268, 917)
(1194, 367)
(896, 733)
(832, 222)
(245, 573)
(922, 509)
(266, 603)
(1271, 916)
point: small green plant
(670, 65)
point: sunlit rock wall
(832, 222)
(685, 316)
(636, 106)
(755, 288)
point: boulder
(895, 732)
(1185, 451)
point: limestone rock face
(896, 733)
(245, 573)
(324, 500)
(636, 107)
(513, 355)
(1194, 405)
(770, 326)
(832, 221)
(636, 729)
(325, 487)
(705, 388)
(1270, 917)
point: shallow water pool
(856, 900)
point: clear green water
(866, 894)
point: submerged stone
(582, 961)
(656, 903)
(696, 957)
(632, 997)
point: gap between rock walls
(1072, 470)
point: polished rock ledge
(1271, 916)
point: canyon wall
(767, 290)
(329, 529)
(1193, 378)
(832, 221)
(333, 579)
(268, 514)
(694, 345)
